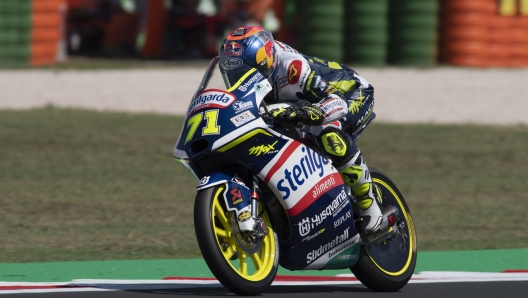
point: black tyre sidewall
(203, 226)
(367, 272)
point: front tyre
(240, 271)
(387, 267)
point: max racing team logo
(294, 71)
(309, 165)
(263, 149)
(211, 98)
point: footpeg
(388, 227)
(390, 214)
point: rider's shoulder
(282, 47)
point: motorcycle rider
(333, 99)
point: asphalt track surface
(510, 289)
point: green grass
(81, 185)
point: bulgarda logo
(309, 168)
(294, 71)
(211, 98)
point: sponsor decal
(256, 77)
(283, 82)
(342, 219)
(261, 89)
(347, 257)
(308, 238)
(232, 49)
(323, 186)
(309, 223)
(265, 54)
(403, 234)
(242, 118)
(241, 106)
(320, 60)
(317, 81)
(315, 254)
(378, 235)
(366, 114)
(244, 216)
(268, 48)
(231, 63)
(240, 31)
(294, 71)
(285, 47)
(322, 85)
(310, 164)
(331, 106)
(263, 149)
(238, 181)
(204, 180)
(211, 98)
(236, 196)
(306, 73)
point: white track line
(89, 285)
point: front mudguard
(237, 195)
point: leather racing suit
(347, 101)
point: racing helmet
(253, 46)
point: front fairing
(216, 113)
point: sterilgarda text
(208, 97)
(311, 163)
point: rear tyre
(389, 266)
(239, 271)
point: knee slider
(335, 142)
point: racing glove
(307, 115)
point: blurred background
(89, 119)
(423, 33)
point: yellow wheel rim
(410, 226)
(253, 267)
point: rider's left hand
(307, 115)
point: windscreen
(232, 69)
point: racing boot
(356, 175)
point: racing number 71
(211, 127)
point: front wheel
(388, 266)
(241, 269)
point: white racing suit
(347, 101)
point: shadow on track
(293, 291)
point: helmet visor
(232, 69)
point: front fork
(253, 226)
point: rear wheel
(387, 267)
(243, 269)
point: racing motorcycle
(267, 196)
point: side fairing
(313, 195)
